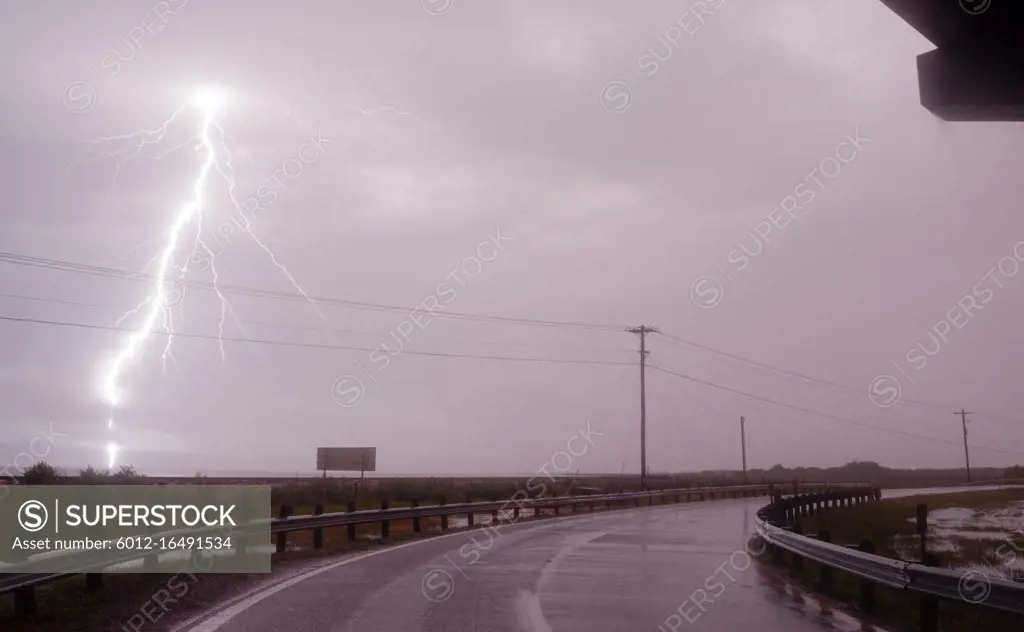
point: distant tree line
(42, 473)
(457, 490)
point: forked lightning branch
(185, 223)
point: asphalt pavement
(663, 569)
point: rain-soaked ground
(676, 567)
(987, 540)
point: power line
(821, 414)
(321, 329)
(310, 345)
(821, 381)
(79, 268)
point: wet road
(674, 567)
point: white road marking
(528, 609)
(531, 617)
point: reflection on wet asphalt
(676, 567)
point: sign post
(360, 460)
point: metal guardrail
(89, 563)
(930, 581)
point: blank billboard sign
(346, 459)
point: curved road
(665, 568)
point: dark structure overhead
(976, 72)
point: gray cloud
(449, 125)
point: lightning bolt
(156, 307)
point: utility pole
(743, 443)
(967, 455)
(642, 331)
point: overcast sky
(618, 164)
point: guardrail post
(351, 528)
(416, 527)
(282, 536)
(929, 604)
(867, 589)
(469, 515)
(556, 507)
(385, 524)
(318, 534)
(25, 601)
(778, 553)
(797, 562)
(825, 579)
(444, 518)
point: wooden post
(318, 534)
(922, 527)
(825, 579)
(351, 527)
(25, 601)
(797, 562)
(282, 536)
(929, 604)
(867, 589)
(444, 518)
(385, 525)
